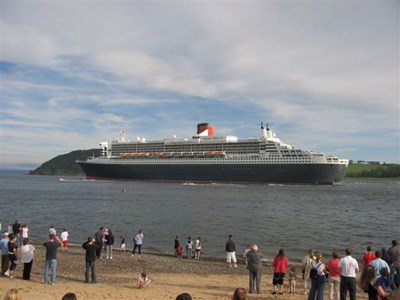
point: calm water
(355, 214)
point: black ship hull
(244, 173)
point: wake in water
(75, 180)
(214, 184)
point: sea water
(355, 214)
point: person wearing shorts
(122, 244)
(64, 239)
(280, 263)
(230, 251)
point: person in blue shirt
(4, 253)
(378, 263)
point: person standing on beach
(334, 277)
(394, 262)
(246, 250)
(292, 280)
(230, 249)
(99, 240)
(109, 244)
(25, 253)
(378, 263)
(52, 230)
(64, 239)
(91, 248)
(254, 265)
(197, 248)
(307, 260)
(279, 263)
(4, 253)
(318, 283)
(122, 244)
(189, 247)
(24, 231)
(138, 242)
(368, 256)
(176, 245)
(13, 253)
(51, 258)
(16, 227)
(348, 267)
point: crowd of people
(379, 278)
(380, 272)
(189, 248)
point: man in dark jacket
(91, 247)
(99, 240)
(254, 265)
(230, 251)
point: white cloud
(26, 45)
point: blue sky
(323, 74)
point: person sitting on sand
(143, 281)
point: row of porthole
(172, 161)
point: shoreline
(203, 279)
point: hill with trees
(373, 170)
(65, 164)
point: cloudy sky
(323, 74)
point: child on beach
(385, 282)
(292, 279)
(64, 239)
(123, 245)
(179, 251)
(143, 281)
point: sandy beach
(116, 279)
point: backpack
(314, 272)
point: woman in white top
(318, 282)
(24, 231)
(197, 248)
(26, 256)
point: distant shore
(207, 278)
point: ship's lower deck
(269, 173)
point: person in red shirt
(368, 256)
(280, 264)
(334, 277)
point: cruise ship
(209, 158)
